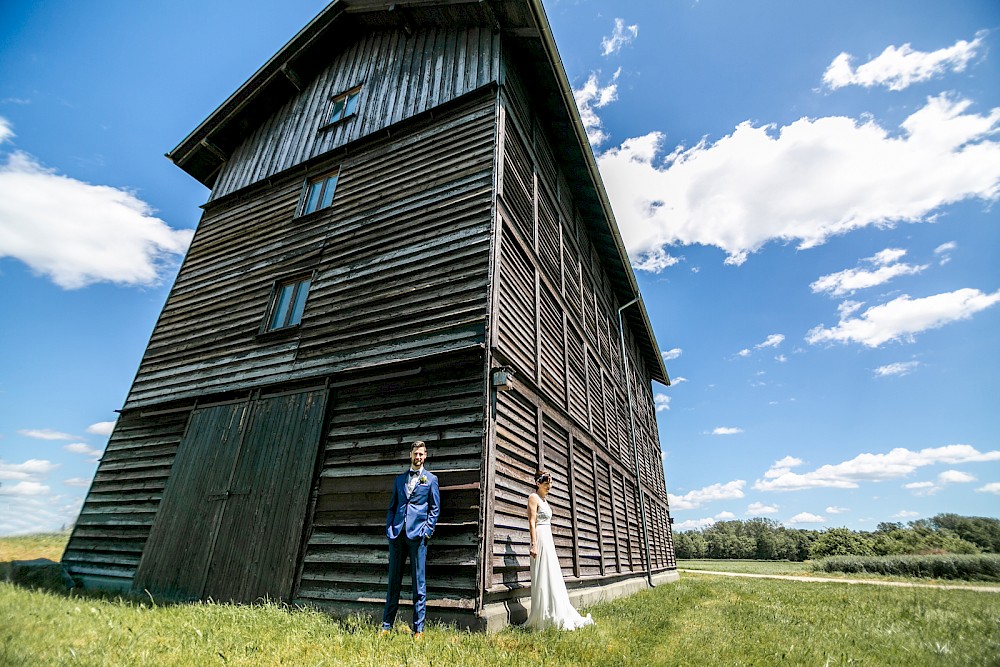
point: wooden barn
(406, 238)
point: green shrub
(978, 567)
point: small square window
(319, 192)
(288, 302)
(345, 105)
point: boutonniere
(423, 479)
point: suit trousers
(401, 549)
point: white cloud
(943, 252)
(992, 487)
(804, 182)
(894, 464)
(898, 368)
(669, 355)
(78, 234)
(774, 340)
(678, 380)
(83, 448)
(101, 428)
(955, 477)
(27, 514)
(806, 517)
(836, 510)
(662, 402)
(922, 488)
(698, 497)
(849, 281)
(745, 352)
(899, 67)
(32, 468)
(6, 131)
(695, 524)
(919, 485)
(655, 261)
(726, 430)
(45, 434)
(903, 318)
(905, 514)
(24, 489)
(781, 358)
(622, 36)
(759, 509)
(594, 96)
(77, 481)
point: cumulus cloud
(29, 470)
(78, 234)
(85, 449)
(903, 317)
(101, 428)
(696, 524)
(662, 402)
(77, 481)
(23, 489)
(804, 182)
(806, 517)
(726, 430)
(6, 131)
(669, 355)
(992, 487)
(897, 68)
(905, 514)
(848, 281)
(593, 96)
(698, 497)
(45, 434)
(836, 510)
(955, 477)
(897, 368)
(622, 36)
(760, 509)
(895, 464)
(677, 380)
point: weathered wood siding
(401, 76)
(557, 327)
(111, 531)
(400, 261)
(375, 416)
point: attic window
(288, 302)
(344, 106)
(319, 192)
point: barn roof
(524, 26)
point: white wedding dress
(550, 605)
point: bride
(550, 605)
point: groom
(409, 524)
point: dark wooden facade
(468, 232)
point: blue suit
(409, 523)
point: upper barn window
(319, 192)
(288, 301)
(345, 105)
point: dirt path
(826, 580)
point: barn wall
(114, 524)
(557, 327)
(400, 261)
(375, 416)
(401, 75)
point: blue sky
(808, 192)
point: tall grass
(978, 567)
(30, 547)
(700, 620)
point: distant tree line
(766, 539)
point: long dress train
(550, 605)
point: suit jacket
(416, 516)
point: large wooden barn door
(230, 524)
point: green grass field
(700, 620)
